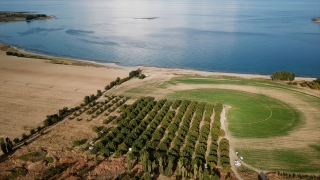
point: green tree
(95, 129)
(147, 176)
(9, 53)
(24, 136)
(3, 146)
(99, 93)
(9, 144)
(112, 83)
(86, 100)
(118, 79)
(16, 140)
(128, 160)
(206, 174)
(142, 76)
(144, 157)
(283, 75)
(134, 73)
(214, 177)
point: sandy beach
(31, 88)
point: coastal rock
(317, 20)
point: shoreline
(180, 71)
(15, 16)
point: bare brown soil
(30, 89)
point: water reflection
(236, 36)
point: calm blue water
(243, 36)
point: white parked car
(241, 157)
(237, 163)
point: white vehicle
(241, 157)
(237, 163)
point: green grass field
(283, 160)
(257, 118)
(251, 115)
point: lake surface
(242, 36)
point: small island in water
(148, 18)
(317, 20)
(6, 16)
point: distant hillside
(21, 16)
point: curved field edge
(228, 80)
(251, 115)
(283, 160)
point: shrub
(16, 140)
(134, 73)
(76, 143)
(283, 75)
(314, 86)
(142, 76)
(304, 84)
(24, 136)
(9, 53)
